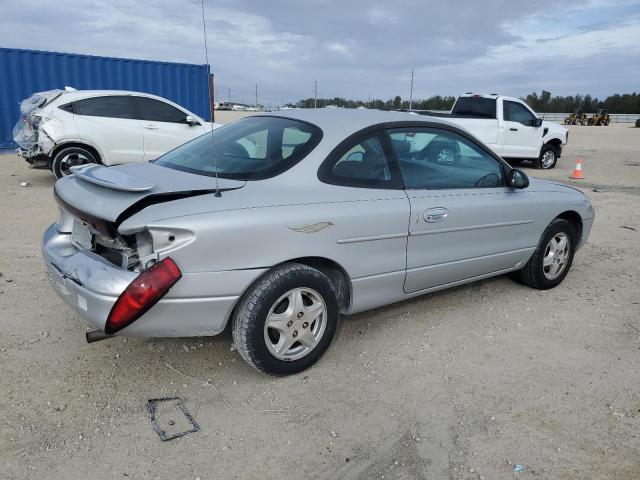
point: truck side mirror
(537, 122)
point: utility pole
(256, 95)
(411, 92)
(229, 94)
(315, 93)
(369, 102)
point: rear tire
(70, 157)
(286, 320)
(551, 261)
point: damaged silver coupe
(279, 223)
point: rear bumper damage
(91, 285)
(35, 160)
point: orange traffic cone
(577, 172)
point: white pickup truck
(509, 127)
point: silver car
(279, 223)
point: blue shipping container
(23, 72)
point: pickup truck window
(515, 112)
(480, 107)
(433, 159)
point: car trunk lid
(103, 197)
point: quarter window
(293, 138)
(111, 107)
(365, 164)
(516, 112)
(154, 110)
(438, 159)
(250, 149)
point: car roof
(341, 122)
(79, 94)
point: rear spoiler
(111, 178)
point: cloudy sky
(354, 48)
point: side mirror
(537, 122)
(518, 179)
(191, 121)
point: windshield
(250, 149)
(475, 107)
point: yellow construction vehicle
(576, 118)
(600, 118)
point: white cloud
(338, 47)
(351, 47)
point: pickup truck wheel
(548, 158)
(552, 259)
(70, 157)
(286, 320)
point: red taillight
(142, 294)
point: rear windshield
(475, 107)
(251, 149)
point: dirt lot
(462, 384)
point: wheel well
(574, 219)
(336, 274)
(556, 142)
(55, 151)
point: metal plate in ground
(170, 418)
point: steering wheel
(489, 180)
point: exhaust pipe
(96, 336)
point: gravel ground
(461, 384)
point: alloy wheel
(556, 256)
(72, 160)
(548, 158)
(295, 324)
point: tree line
(542, 103)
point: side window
(292, 138)
(364, 164)
(111, 107)
(435, 159)
(154, 110)
(516, 112)
(252, 146)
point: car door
(108, 122)
(465, 223)
(370, 213)
(164, 127)
(522, 138)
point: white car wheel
(70, 157)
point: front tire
(70, 157)
(552, 259)
(286, 320)
(547, 159)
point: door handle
(513, 129)
(437, 214)
(150, 127)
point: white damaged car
(60, 129)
